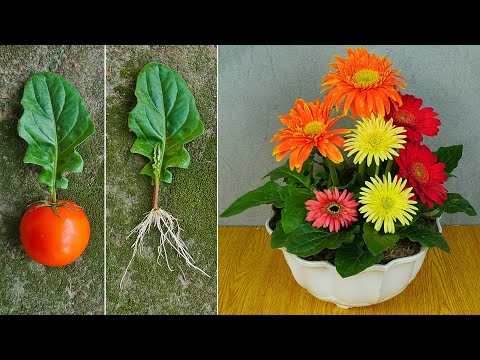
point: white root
(169, 233)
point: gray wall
(258, 83)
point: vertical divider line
(104, 179)
(217, 175)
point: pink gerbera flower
(332, 209)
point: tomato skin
(54, 240)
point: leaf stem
(389, 166)
(311, 178)
(155, 193)
(362, 170)
(54, 195)
(333, 173)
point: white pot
(373, 285)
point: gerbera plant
(358, 191)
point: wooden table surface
(253, 278)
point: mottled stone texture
(26, 286)
(150, 288)
(258, 83)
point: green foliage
(425, 235)
(307, 240)
(456, 203)
(164, 120)
(270, 193)
(450, 156)
(295, 211)
(54, 122)
(426, 211)
(378, 242)
(349, 178)
(351, 259)
(284, 172)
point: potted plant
(358, 208)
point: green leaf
(164, 120)
(425, 235)
(285, 172)
(350, 184)
(321, 175)
(55, 121)
(278, 236)
(351, 260)
(308, 164)
(377, 242)
(357, 229)
(456, 203)
(295, 211)
(270, 193)
(307, 240)
(326, 162)
(450, 156)
(425, 210)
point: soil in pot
(403, 248)
(276, 217)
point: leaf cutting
(164, 120)
(54, 122)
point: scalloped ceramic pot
(373, 285)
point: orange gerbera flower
(308, 125)
(364, 82)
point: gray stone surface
(27, 287)
(258, 83)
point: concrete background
(150, 288)
(258, 83)
(27, 287)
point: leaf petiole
(333, 174)
(362, 171)
(155, 193)
(389, 166)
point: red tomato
(55, 240)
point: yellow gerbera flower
(374, 138)
(385, 201)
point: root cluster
(169, 230)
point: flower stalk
(362, 170)
(388, 168)
(333, 174)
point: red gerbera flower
(423, 172)
(332, 210)
(415, 120)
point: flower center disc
(419, 172)
(313, 128)
(375, 140)
(333, 208)
(365, 78)
(387, 203)
(404, 118)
